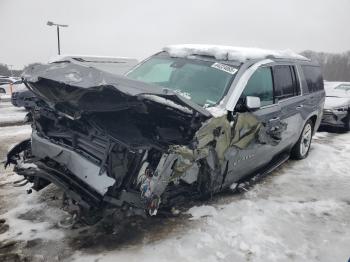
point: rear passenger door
(313, 89)
(288, 96)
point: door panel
(291, 113)
(259, 136)
(288, 95)
(280, 120)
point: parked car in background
(24, 98)
(5, 94)
(336, 111)
(186, 123)
(9, 85)
(115, 65)
(4, 80)
(2, 92)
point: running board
(274, 164)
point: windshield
(203, 82)
(343, 87)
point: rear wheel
(302, 147)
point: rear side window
(286, 84)
(313, 77)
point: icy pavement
(5, 98)
(10, 115)
(298, 213)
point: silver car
(336, 111)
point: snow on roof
(229, 52)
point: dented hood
(75, 89)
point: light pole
(49, 23)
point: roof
(220, 52)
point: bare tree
(336, 67)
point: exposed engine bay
(109, 141)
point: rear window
(313, 77)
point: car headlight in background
(336, 110)
(341, 109)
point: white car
(5, 94)
(336, 111)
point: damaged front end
(111, 141)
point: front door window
(260, 85)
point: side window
(260, 84)
(286, 84)
(313, 77)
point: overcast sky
(138, 28)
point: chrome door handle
(299, 107)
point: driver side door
(256, 133)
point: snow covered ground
(298, 213)
(5, 98)
(10, 115)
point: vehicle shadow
(117, 231)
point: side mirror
(252, 102)
(2, 91)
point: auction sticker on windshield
(226, 68)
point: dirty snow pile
(23, 220)
(12, 131)
(229, 52)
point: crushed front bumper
(80, 179)
(85, 170)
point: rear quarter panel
(313, 102)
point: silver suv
(187, 122)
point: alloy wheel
(306, 140)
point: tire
(347, 122)
(302, 147)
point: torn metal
(111, 141)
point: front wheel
(302, 147)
